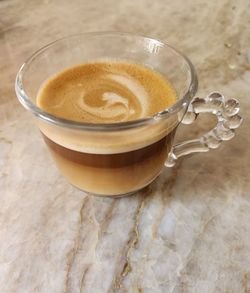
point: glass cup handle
(226, 112)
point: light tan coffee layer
(106, 92)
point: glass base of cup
(116, 196)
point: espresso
(102, 162)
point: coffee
(108, 92)
(111, 174)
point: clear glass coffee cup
(118, 159)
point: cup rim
(163, 114)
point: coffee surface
(106, 92)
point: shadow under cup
(108, 159)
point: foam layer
(106, 92)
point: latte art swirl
(117, 105)
(106, 92)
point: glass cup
(118, 159)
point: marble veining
(189, 231)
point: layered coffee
(108, 92)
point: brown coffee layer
(110, 160)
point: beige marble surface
(190, 230)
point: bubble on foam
(116, 105)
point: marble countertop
(189, 231)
